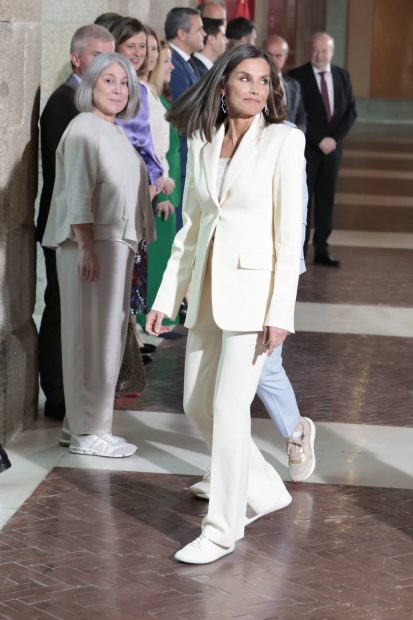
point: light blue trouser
(277, 394)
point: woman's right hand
(88, 263)
(168, 186)
(154, 320)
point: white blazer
(256, 225)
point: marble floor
(87, 537)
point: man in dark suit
(215, 44)
(185, 34)
(60, 109)
(331, 111)
(277, 48)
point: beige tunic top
(101, 180)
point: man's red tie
(324, 95)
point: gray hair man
(278, 50)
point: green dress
(160, 250)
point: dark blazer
(344, 105)
(199, 66)
(295, 108)
(182, 77)
(59, 111)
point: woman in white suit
(239, 250)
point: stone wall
(62, 17)
(20, 53)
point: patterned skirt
(138, 298)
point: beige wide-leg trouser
(222, 370)
(94, 326)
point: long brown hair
(199, 108)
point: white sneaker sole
(85, 452)
(203, 496)
(185, 558)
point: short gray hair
(84, 92)
(83, 34)
(178, 18)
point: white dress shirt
(329, 81)
(178, 50)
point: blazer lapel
(243, 154)
(315, 94)
(335, 89)
(210, 155)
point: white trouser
(277, 394)
(222, 370)
(94, 325)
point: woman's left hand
(164, 209)
(273, 337)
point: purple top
(139, 135)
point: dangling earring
(266, 110)
(224, 106)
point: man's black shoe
(326, 260)
(4, 459)
(57, 412)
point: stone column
(20, 55)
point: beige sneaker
(300, 450)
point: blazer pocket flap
(265, 262)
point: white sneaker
(101, 445)
(201, 489)
(202, 551)
(66, 435)
(284, 499)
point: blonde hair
(155, 78)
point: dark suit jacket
(344, 105)
(200, 68)
(182, 77)
(295, 108)
(57, 114)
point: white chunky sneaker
(201, 489)
(66, 435)
(300, 450)
(101, 445)
(202, 551)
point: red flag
(243, 9)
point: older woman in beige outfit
(100, 210)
